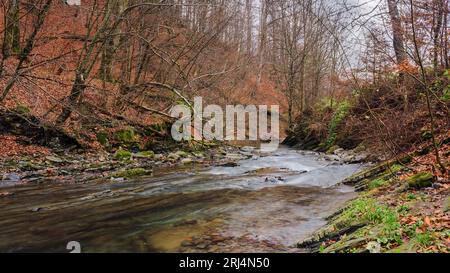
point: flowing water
(266, 204)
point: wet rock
(54, 159)
(186, 244)
(202, 246)
(5, 194)
(187, 161)
(248, 149)
(229, 165)
(234, 156)
(332, 158)
(119, 179)
(173, 156)
(11, 177)
(274, 180)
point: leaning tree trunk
(77, 90)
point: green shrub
(126, 135)
(340, 114)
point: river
(265, 204)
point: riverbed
(265, 203)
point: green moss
(22, 110)
(377, 183)
(126, 136)
(406, 159)
(102, 138)
(421, 180)
(122, 155)
(395, 168)
(131, 173)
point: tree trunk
(11, 42)
(397, 32)
(248, 10)
(262, 45)
(439, 13)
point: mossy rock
(132, 173)
(421, 180)
(122, 155)
(360, 148)
(145, 154)
(126, 136)
(102, 138)
(332, 149)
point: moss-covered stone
(332, 149)
(122, 155)
(145, 154)
(421, 180)
(132, 173)
(182, 154)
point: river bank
(402, 207)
